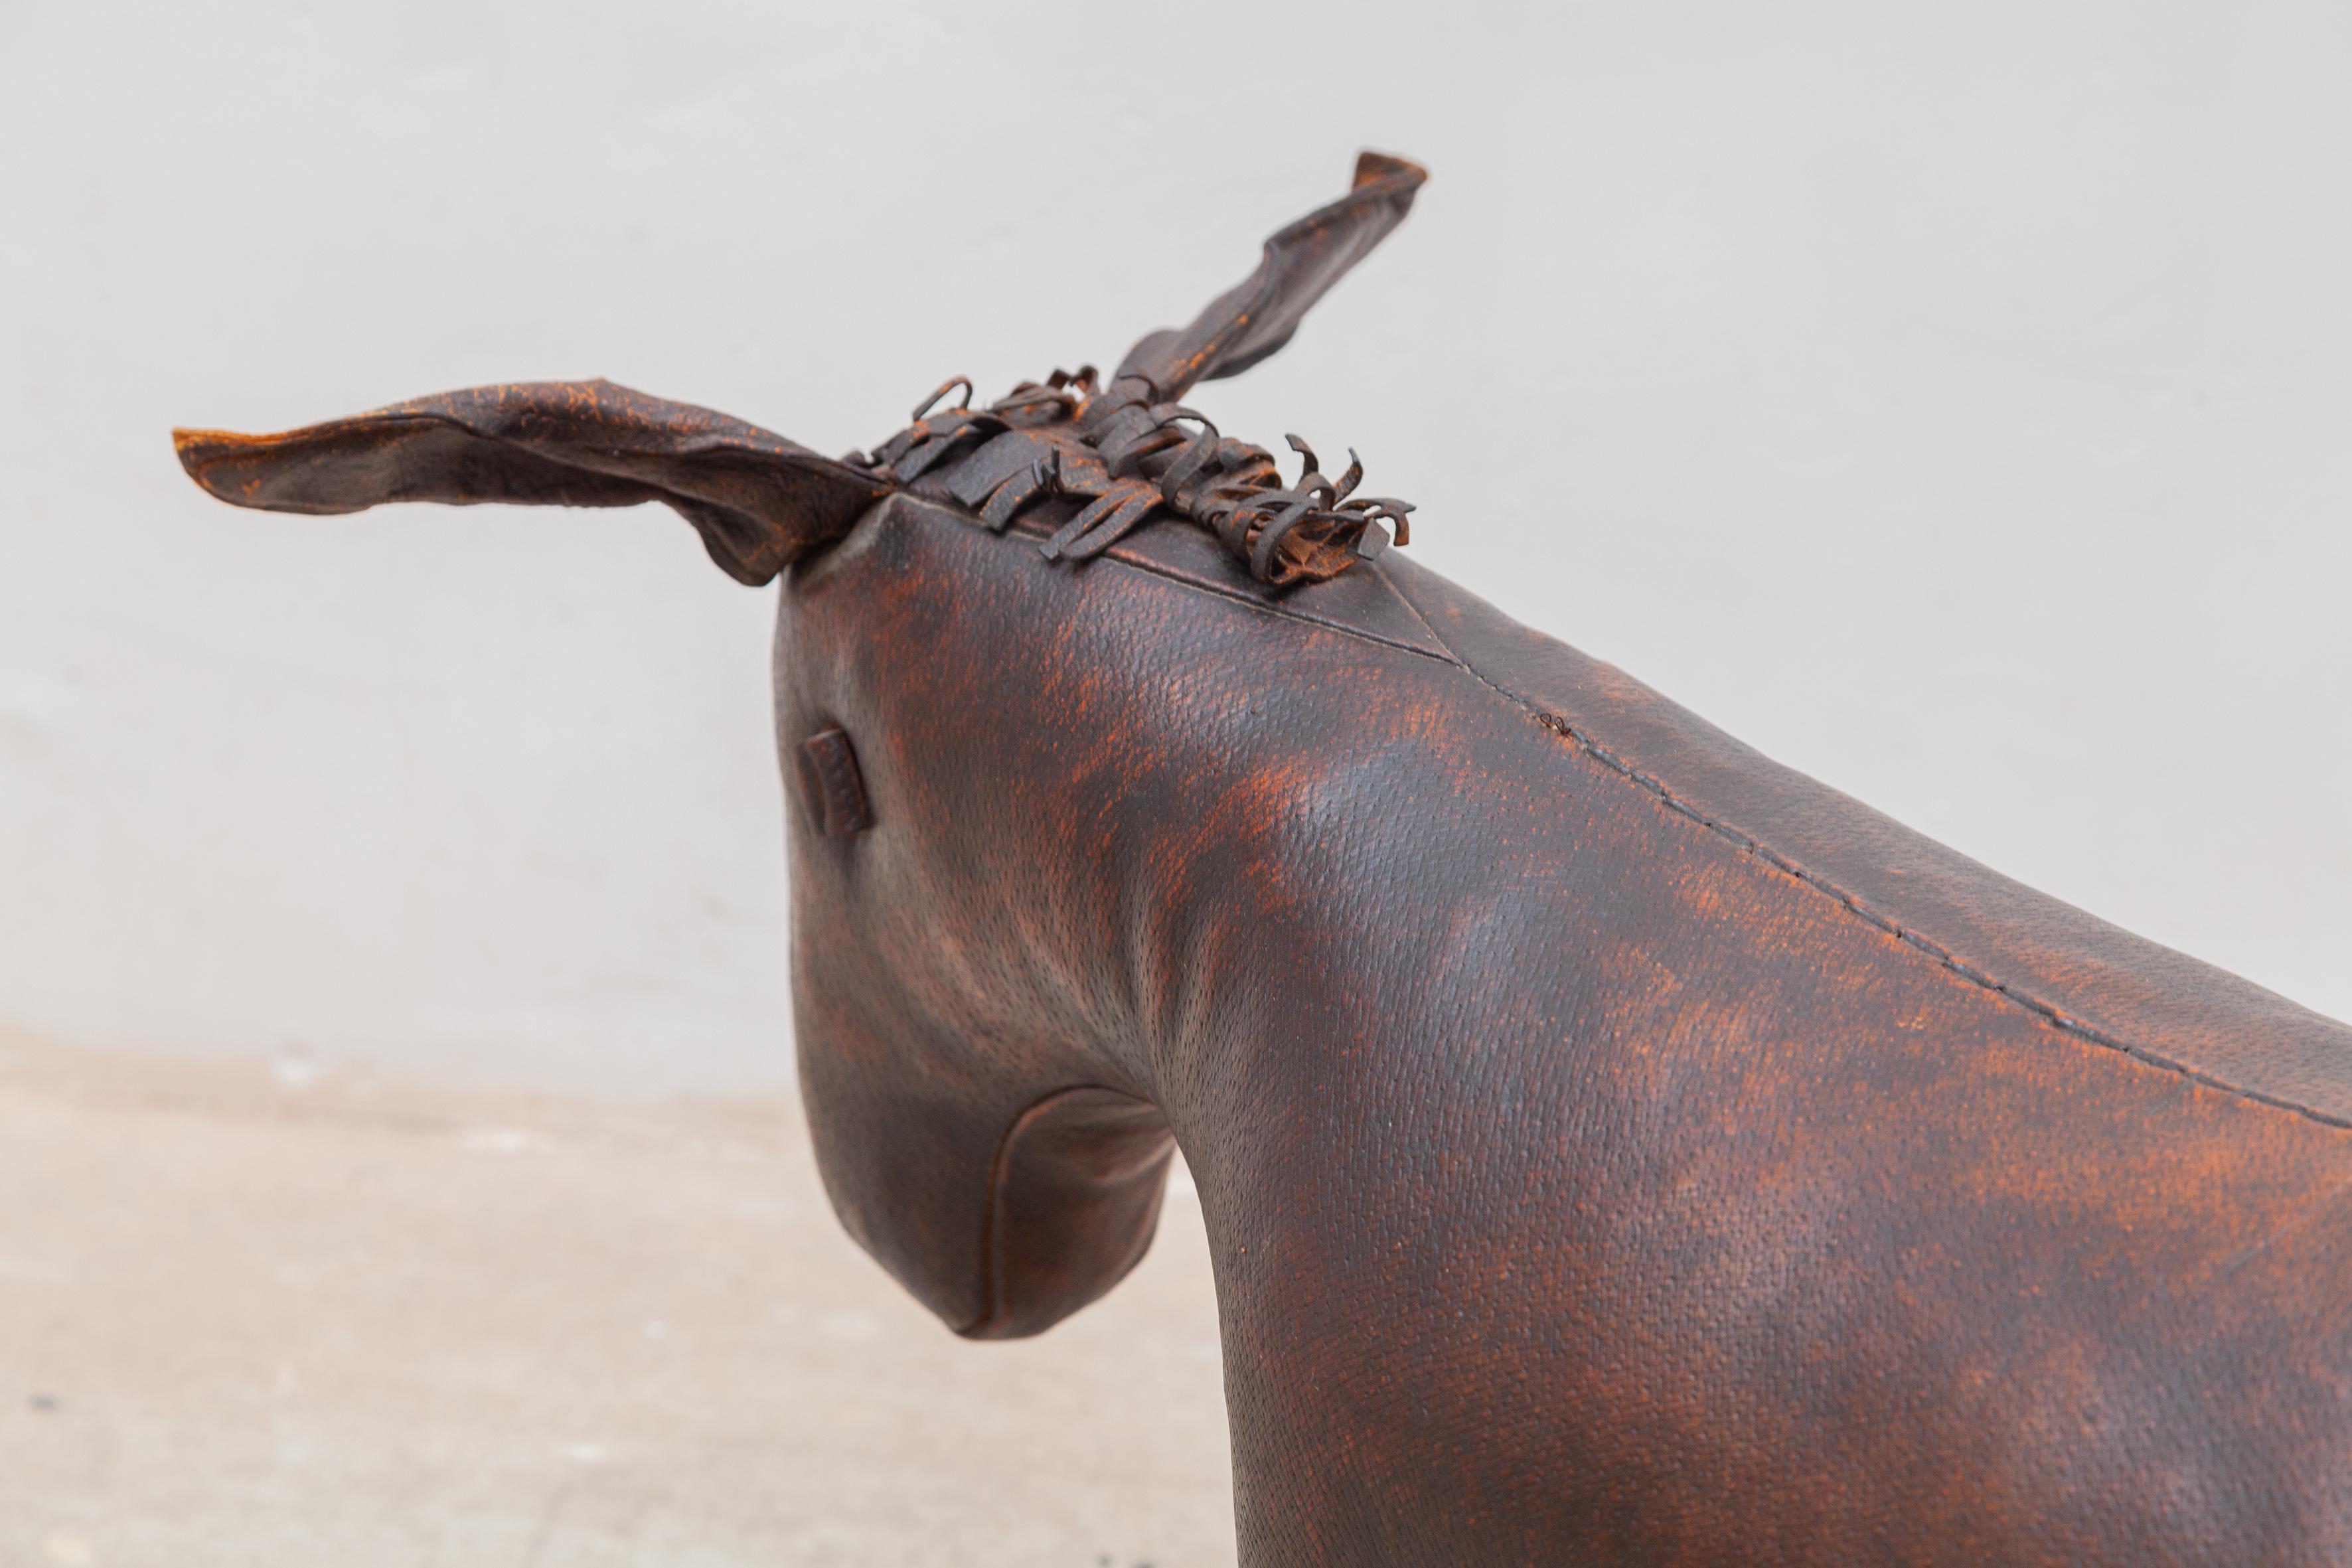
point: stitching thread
(1275, 607)
(2049, 1014)
(2056, 1017)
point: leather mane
(1133, 449)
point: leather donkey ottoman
(1615, 1148)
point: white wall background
(1951, 400)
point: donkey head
(982, 1097)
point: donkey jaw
(1000, 1226)
(1073, 1198)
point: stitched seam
(1401, 597)
(1214, 591)
(2056, 1017)
(991, 1291)
(1293, 617)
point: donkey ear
(1256, 317)
(760, 502)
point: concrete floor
(250, 1318)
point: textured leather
(1257, 316)
(834, 788)
(761, 501)
(1615, 1148)
(757, 501)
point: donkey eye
(834, 789)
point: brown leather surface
(2092, 978)
(1257, 316)
(1589, 1180)
(1615, 1148)
(832, 784)
(1125, 452)
(758, 499)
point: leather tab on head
(835, 790)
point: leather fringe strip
(1128, 456)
